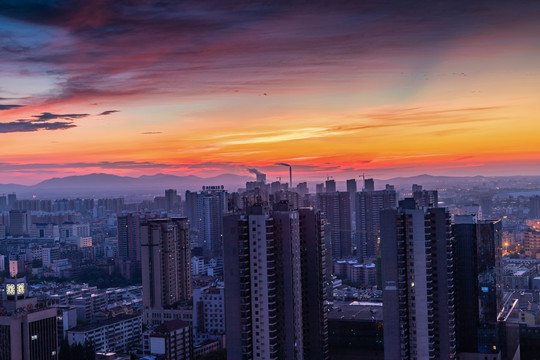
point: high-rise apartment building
(369, 204)
(129, 238)
(330, 186)
(425, 198)
(19, 222)
(418, 283)
(352, 190)
(205, 210)
(315, 282)
(478, 286)
(337, 211)
(166, 262)
(268, 278)
(11, 200)
(172, 200)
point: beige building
(166, 262)
(531, 243)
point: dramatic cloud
(48, 116)
(381, 84)
(28, 126)
(235, 46)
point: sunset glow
(206, 88)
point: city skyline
(204, 88)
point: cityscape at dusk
(269, 180)
(209, 87)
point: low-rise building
(172, 340)
(117, 334)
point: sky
(334, 88)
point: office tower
(336, 209)
(316, 280)
(534, 207)
(319, 188)
(369, 204)
(27, 331)
(478, 285)
(418, 283)
(330, 186)
(425, 198)
(166, 262)
(265, 283)
(129, 237)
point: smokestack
(290, 173)
(261, 177)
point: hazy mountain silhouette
(108, 185)
(114, 185)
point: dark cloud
(225, 45)
(41, 122)
(9, 107)
(46, 116)
(29, 126)
(151, 132)
(108, 112)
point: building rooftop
(88, 327)
(357, 311)
(171, 326)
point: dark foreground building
(274, 284)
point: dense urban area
(355, 269)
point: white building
(113, 335)
(209, 314)
(68, 230)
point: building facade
(166, 262)
(478, 285)
(418, 283)
(274, 288)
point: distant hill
(114, 185)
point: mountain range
(107, 185)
